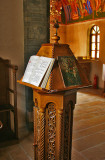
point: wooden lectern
(53, 110)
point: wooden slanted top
(55, 82)
(55, 50)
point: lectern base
(53, 120)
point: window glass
(97, 54)
(93, 46)
(98, 46)
(95, 42)
(93, 38)
(98, 38)
(95, 28)
(93, 31)
(93, 54)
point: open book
(69, 70)
(38, 70)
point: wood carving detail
(41, 134)
(60, 129)
(67, 134)
(51, 111)
(38, 134)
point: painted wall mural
(70, 11)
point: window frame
(95, 41)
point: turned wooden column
(41, 135)
(59, 135)
(69, 103)
(35, 120)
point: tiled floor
(88, 132)
(89, 127)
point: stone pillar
(36, 32)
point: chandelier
(55, 10)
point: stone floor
(88, 131)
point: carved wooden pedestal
(53, 119)
(53, 110)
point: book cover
(69, 70)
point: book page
(44, 83)
(36, 69)
(30, 67)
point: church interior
(24, 27)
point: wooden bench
(8, 101)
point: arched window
(94, 42)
